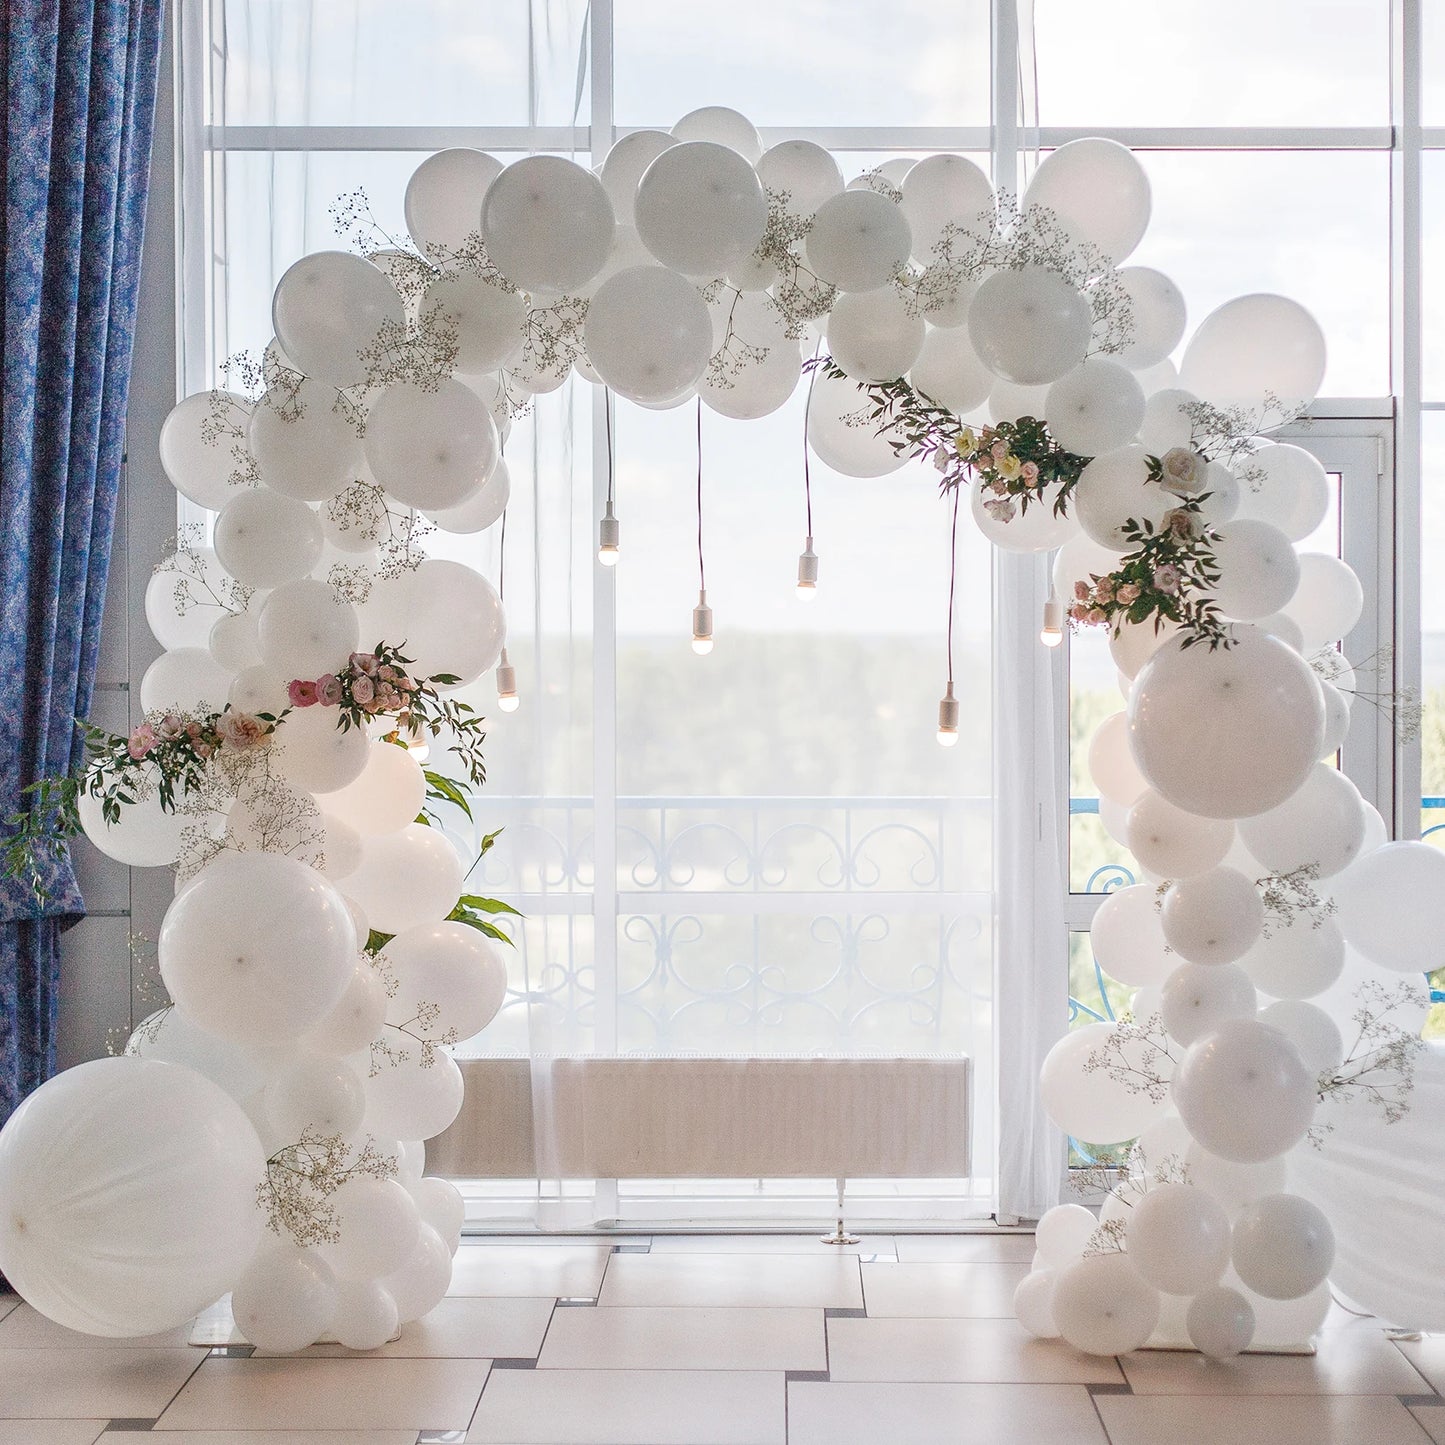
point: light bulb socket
(808, 566)
(506, 682)
(609, 532)
(948, 712)
(702, 620)
(1053, 616)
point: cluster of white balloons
(1216, 774)
(265, 1133)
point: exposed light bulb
(1051, 634)
(507, 699)
(808, 573)
(947, 718)
(702, 626)
(609, 538)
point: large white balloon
(1029, 326)
(1220, 1323)
(378, 1224)
(263, 538)
(1096, 407)
(1298, 957)
(332, 313)
(420, 1283)
(232, 966)
(305, 441)
(304, 631)
(420, 612)
(1244, 1092)
(1252, 348)
(386, 796)
(406, 879)
(859, 241)
(187, 679)
(872, 335)
(413, 1097)
(1227, 733)
(482, 508)
(443, 202)
(199, 458)
(127, 1196)
(1098, 189)
(700, 208)
(431, 447)
(547, 224)
(1088, 1099)
(648, 333)
(1392, 906)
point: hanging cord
(807, 417)
(502, 560)
(952, 578)
(611, 469)
(701, 575)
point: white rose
(1181, 471)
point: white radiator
(688, 1118)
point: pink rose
(1183, 524)
(1031, 471)
(241, 731)
(171, 727)
(1081, 591)
(301, 693)
(365, 663)
(142, 741)
(1128, 593)
(328, 690)
(1166, 578)
(1001, 509)
(362, 689)
(386, 672)
(999, 450)
(1096, 616)
(203, 749)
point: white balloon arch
(262, 1134)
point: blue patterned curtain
(80, 79)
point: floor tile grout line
(547, 1329)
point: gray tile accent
(809, 1376)
(231, 1352)
(1110, 1387)
(134, 1425)
(514, 1364)
(576, 1302)
(1408, 1400)
(836, 1312)
(632, 1249)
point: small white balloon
(1178, 1238)
(305, 440)
(489, 319)
(1128, 939)
(1172, 843)
(1034, 1304)
(841, 435)
(949, 372)
(355, 1019)
(1097, 407)
(1283, 1246)
(1288, 487)
(145, 835)
(648, 333)
(378, 1224)
(623, 167)
(1198, 997)
(802, 174)
(1099, 190)
(944, 195)
(333, 312)
(406, 878)
(721, 126)
(418, 612)
(1392, 906)
(203, 447)
(414, 1097)
(185, 680)
(303, 631)
(448, 969)
(366, 1315)
(1089, 1102)
(421, 1282)
(1258, 569)
(323, 1095)
(1212, 917)
(263, 538)
(700, 208)
(1167, 423)
(872, 335)
(1301, 956)
(1157, 313)
(431, 447)
(1220, 1323)
(1113, 491)
(1063, 1234)
(1253, 348)
(1328, 601)
(482, 509)
(443, 202)
(286, 1299)
(1312, 1031)
(1321, 827)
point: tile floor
(717, 1340)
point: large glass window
(762, 851)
